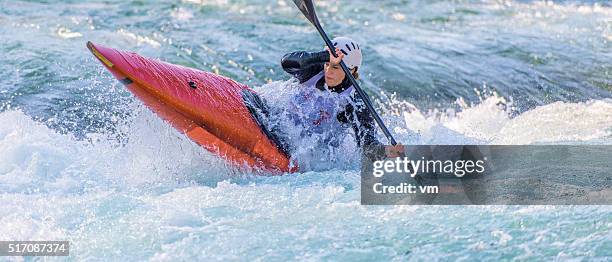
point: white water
(96, 168)
(157, 195)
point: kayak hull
(207, 108)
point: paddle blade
(307, 8)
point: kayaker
(327, 100)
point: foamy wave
(36, 158)
(560, 122)
(491, 122)
(181, 14)
(66, 33)
(139, 40)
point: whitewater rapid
(82, 160)
(156, 195)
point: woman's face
(334, 75)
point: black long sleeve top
(305, 65)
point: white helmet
(351, 50)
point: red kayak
(214, 111)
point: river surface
(82, 160)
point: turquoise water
(82, 160)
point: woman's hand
(335, 60)
(395, 151)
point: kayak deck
(208, 108)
